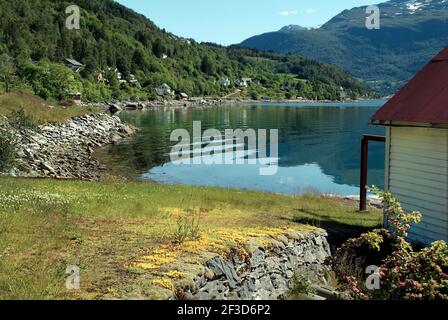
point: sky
(232, 21)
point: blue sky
(232, 21)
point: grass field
(104, 227)
(40, 110)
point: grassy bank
(37, 109)
(103, 227)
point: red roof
(424, 98)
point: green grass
(46, 225)
(41, 111)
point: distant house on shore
(243, 82)
(183, 96)
(118, 74)
(74, 65)
(120, 77)
(164, 90)
(416, 121)
(76, 98)
(247, 80)
(99, 76)
(134, 82)
(343, 94)
(224, 81)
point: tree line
(34, 42)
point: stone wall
(268, 274)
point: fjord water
(319, 146)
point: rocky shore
(117, 106)
(65, 150)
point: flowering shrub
(403, 272)
(399, 222)
(416, 275)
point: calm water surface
(319, 146)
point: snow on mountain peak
(414, 6)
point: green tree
(158, 48)
(7, 70)
(208, 66)
(52, 80)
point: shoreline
(117, 106)
(65, 151)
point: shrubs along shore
(62, 150)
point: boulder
(114, 138)
(131, 106)
(224, 269)
(115, 108)
(127, 130)
(48, 168)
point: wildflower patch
(171, 264)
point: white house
(224, 81)
(118, 74)
(343, 94)
(416, 121)
(183, 96)
(244, 82)
(165, 90)
(134, 82)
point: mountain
(293, 28)
(111, 36)
(411, 32)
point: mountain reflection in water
(319, 147)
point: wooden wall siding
(417, 174)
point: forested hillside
(34, 42)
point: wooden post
(364, 168)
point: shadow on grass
(338, 232)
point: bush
(95, 92)
(52, 80)
(7, 151)
(188, 227)
(403, 272)
(416, 275)
(301, 287)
